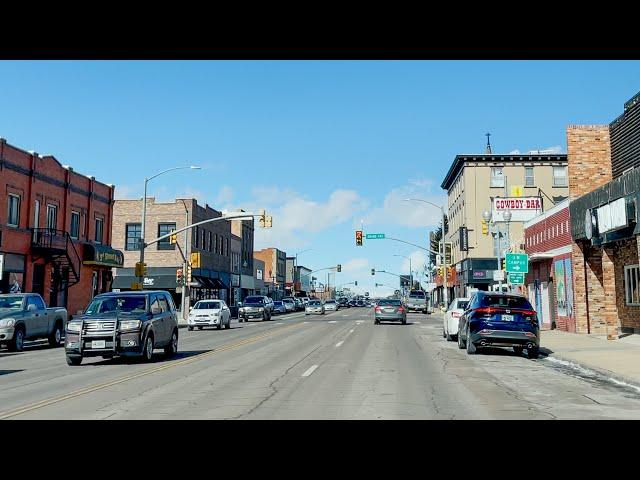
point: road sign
(1, 264)
(516, 278)
(517, 262)
(498, 275)
(374, 236)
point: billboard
(522, 209)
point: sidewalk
(618, 359)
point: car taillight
(401, 309)
(487, 310)
(378, 309)
(455, 314)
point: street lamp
(144, 210)
(442, 254)
(507, 215)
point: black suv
(256, 306)
(123, 324)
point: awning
(538, 257)
(219, 284)
(149, 282)
(102, 255)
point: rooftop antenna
(488, 151)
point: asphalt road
(336, 366)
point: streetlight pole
(487, 216)
(443, 253)
(144, 211)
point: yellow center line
(84, 391)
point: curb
(602, 371)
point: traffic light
(373, 271)
(339, 268)
(140, 269)
(195, 259)
(179, 276)
(485, 227)
(188, 273)
(173, 239)
(266, 221)
(503, 265)
(356, 283)
(359, 238)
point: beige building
(477, 183)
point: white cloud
(557, 149)
(355, 265)
(419, 258)
(514, 152)
(225, 195)
(127, 192)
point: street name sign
(374, 236)
(516, 278)
(517, 262)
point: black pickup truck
(123, 324)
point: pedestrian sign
(374, 236)
(516, 278)
(517, 262)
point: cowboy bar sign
(522, 209)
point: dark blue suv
(499, 320)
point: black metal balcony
(56, 246)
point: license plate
(389, 310)
(97, 343)
(507, 318)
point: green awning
(102, 255)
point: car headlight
(7, 322)
(130, 324)
(74, 326)
(261, 309)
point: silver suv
(256, 306)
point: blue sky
(322, 145)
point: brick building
(163, 259)
(275, 270)
(605, 196)
(55, 230)
(549, 282)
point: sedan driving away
(314, 306)
(330, 305)
(390, 310)
(452, 318)
(209, 313)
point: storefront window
(632, 284)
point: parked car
(417, 301)
(24, 316)
(353, 303)
(213, 313)
(123, 324)
(305, 301)
(344, 303)
(360, 303)
(314, 306)
(389, 310)
(500, 320)
(289, 304)
(330, 305)
(279, 307)
(452, 318)
(256, 306)
(299, 304)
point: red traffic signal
(359, 238)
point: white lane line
(339, 343)
(305, 322)
(332, 321)
(279, 323)
(310, 371)
(344, 315)
(351, 331)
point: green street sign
(374, 236)
(516, 278)
(517, 262)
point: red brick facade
(39, 182)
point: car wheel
(471, 348)
(56, 336)
(171, 349)
(73, 360)
(461, 344)
(200, 328)
(190, 329)
(147, 352)
(404, 321)
(17, 342)
(449, 337)
(219, 326)
(228, 325)
(376, 322)
(444, 335)
(532, 353)
(518, 350)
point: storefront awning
(219, 284)
(538, 257)
(150, 282)
(102, 255)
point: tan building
(163, 259)
(526, 185)
(275, 270)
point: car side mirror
(190, 308)
(239, 304)
(31, 308)
(156, 310)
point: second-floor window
(559, 176)
(99, 229)
(632, 284)
(497, 177)
(529, 180)
(195, 237)
(164, 229)
(75, 225)
(133, 233)
(52, 217)
(13, 215)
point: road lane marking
(358, 322)
(339, 343)
(333, 321)
(279, 323)
(305, 322)
(310, 371)
(86, 390)
(351, 331)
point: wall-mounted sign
(464, 239)
(258, 274)
(479, 274)
(612, 216)
(522, 209)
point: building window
(559, 176)
(99, 225)
(13, 216)
(226, 240)
(133, 233)
(195, 237)
(497, 177)
(52, 217)
(163, 229)
(528, 177)
(75, 225)
(204, 235)
(210, 240)
(632, 284)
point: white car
(289, 304)
(209, 313)
(330, 305)
(452, 317)
(314, 306)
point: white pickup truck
(24, 316)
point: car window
(209, 305)
(32, 301)
(162, 301)
(462, 304)
(505, 301)
(11, 303)
(155, 303)
(395, 303)
(172, 306)
(254, 300)
(39, 303)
